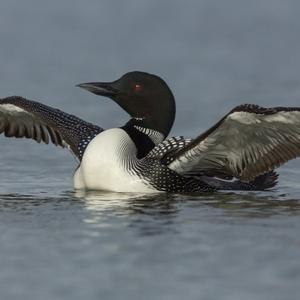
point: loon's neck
(151, 129)
(143, 137)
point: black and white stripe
(155, 136)
(166, 150)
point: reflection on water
(255, 203)
(243, 203)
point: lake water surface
(56, 243)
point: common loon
(238, 153)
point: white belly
(102, 166)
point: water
(59, 244)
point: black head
(144, 96)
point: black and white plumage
(246, 143)
(239, 152)
(20, 117)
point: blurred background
(214, 55)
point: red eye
(137, 87)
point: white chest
(104, 164)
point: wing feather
(246, 143)
(20, 117)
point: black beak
(99, 88)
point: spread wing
(20, 117)
(247, 142)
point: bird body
(239, 152)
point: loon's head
(144, 96)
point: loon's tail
(260, 183)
